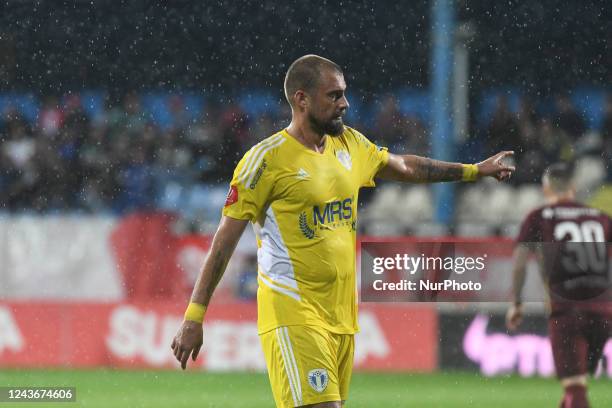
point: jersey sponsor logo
(333, 215)
(318, 379)
(345, 159)
(232, 196)
(258, 174)
(333, 212)
(302, 174)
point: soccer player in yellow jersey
(299, 189)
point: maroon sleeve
(531, 230)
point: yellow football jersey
(303, 206)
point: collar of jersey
(300, 145)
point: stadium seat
(474, 230)
(510, 230)
(155, 106)
(415, 206)
(171, 196)
(489, 101)
(429, 230)
(256, 103)
(529, 197)
(384, 229)
(382, 206)
(27, 105)
(589, 103)
(590, 172)
(415, 102)
(487, 203)
(500, 206)
(469, 202)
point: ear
(301, 99)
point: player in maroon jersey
(570, 239)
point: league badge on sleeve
(318, 379)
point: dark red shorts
(577, 339)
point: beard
(332, 127)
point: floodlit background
(120, 126)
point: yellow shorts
(308, 364)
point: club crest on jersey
(302, 174)
(318, 379)
(344, 158)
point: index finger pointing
(505, 153)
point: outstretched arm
(417, 169)
(189, 338)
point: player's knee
(574, 380)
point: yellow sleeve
(371, 159)
(250, 187)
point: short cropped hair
(304, 73)
(559, 177)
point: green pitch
(151, 389)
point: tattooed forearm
(428, 170)
(416, 169)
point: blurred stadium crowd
(94, 153)
(114, 151)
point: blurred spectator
(548, 144)
(247, 280)
(235, 130)
(51, 117)
(503, 129)
(526, 120)
(178, 111)
(261, 128)
(128, 116)
(389, 125)
(135, 179)
(122, 161)
(416, 138)
(568, 119)
(606, 136)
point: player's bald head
(559, 177)
(305, 73)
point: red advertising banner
(137, 335)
